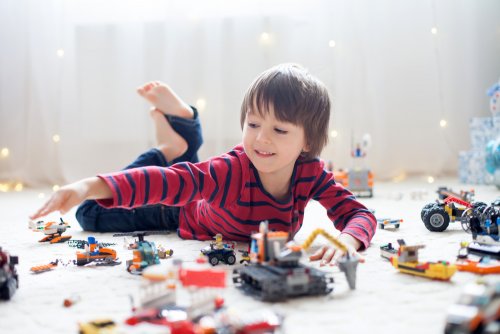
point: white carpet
(384, 301)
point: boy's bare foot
(164, 99)
(170, 143)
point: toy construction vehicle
(144, 252)
(407, 262)
(9, 281)
(52, 230)
(275, 273)
(477, 309)
(437, 216)
(219, 250)
(95, 252)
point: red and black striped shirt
(224, 195)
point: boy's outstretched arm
(73, 194)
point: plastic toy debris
(68, 302)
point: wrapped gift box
(471, 167)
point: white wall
(388, 75)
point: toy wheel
(424, 210)
(436, 219)
(213, 260)
(397, 225)
(465, 221)
(381, 226)
(230, 259)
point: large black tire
(436, 219)
(213, 260)
(230, 259)
(425, 209)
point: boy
(270, 176)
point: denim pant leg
(190, 130)
(93, 217)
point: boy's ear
(306, 148)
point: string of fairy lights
(265, 39)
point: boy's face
(271, 145)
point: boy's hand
(330, 255)
(73, 194)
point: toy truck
(437, 216)
(275, 273)
(9, 281)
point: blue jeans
(93, 217)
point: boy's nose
(263, 137)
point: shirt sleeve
(176, 185)
(348, 215)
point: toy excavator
(52, 230)
(274, 272)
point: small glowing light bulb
(55, 187)
(265, 38)
(434, 30)
(41, 195)
(4, 153)
(430, 179)
(334, 133)
(443, 123)
(201, 104)
(60, 53)
(4, 187)
(56, 138)
(18, 187)
(331, 43)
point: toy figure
(52, 230)
(219, 250)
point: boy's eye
(252, 125)
(281, 132)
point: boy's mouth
(264, 153)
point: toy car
(384, 222)
(437, 216)
(476, 311)
(215, 255)
(9, 280)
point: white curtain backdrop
(70, 69)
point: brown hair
(297, 97)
